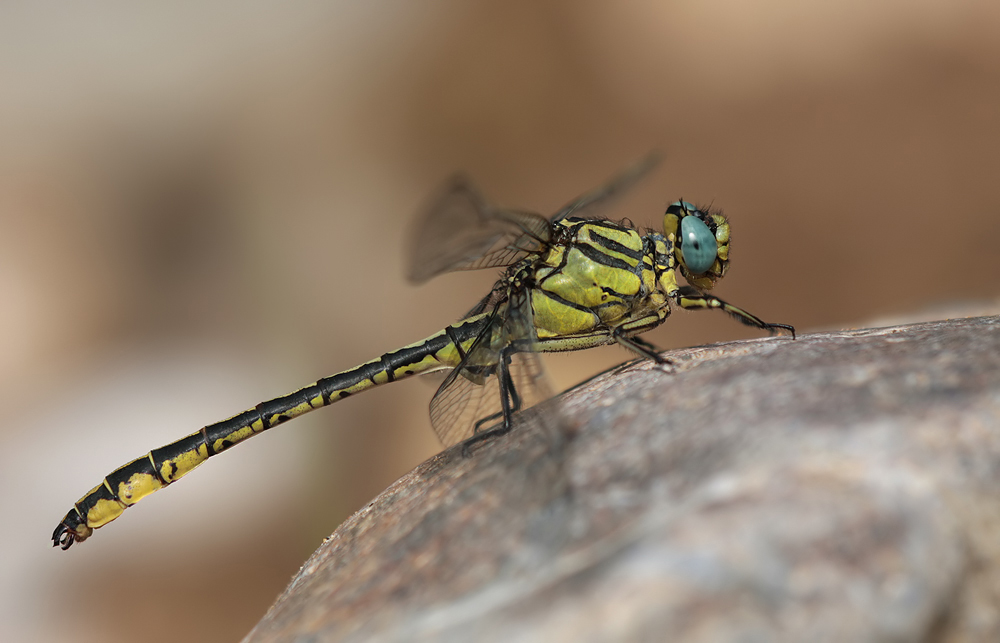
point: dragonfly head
(701, 242)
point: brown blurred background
(203, 205)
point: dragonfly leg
(641, 347)
(510, 403)
(642, 341)
(690, 298)
(485, 422)
(479, 436)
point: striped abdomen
(129, 484)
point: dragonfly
(571, 281)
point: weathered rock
(843, 486)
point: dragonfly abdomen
(159, 468)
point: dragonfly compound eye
(698, 244)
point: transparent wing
(493, 298)
(458, 405)
(469, 398)
(463, 397)
(592, 204)
(461, 231)
(526, 370)
(530, 380)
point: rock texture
(843, 486)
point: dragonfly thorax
(594, 275)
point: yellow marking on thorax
(580, 281)
(554, 318)
(611, 314)
(668, 281)
(627, 238)
(648, 275)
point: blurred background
(204, 205)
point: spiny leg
(510, 402)
(642, 341)
(690, 299)
(509, 408)
(641, 347)
(485, 422)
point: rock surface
(843, 486)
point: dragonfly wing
(458, 404)
(462, 406)
(461, 231)
(530, 380)
(526, 370)
(593, 204)
(469, 398)
(524, 232)
(463, 396)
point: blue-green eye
(698, 245)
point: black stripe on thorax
(603, 258)
(614, 246)
(565, 302)
(576, 222)
(615, 293)
(572, 223)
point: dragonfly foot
(469, 445)
(666, 365)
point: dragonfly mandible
(570, 282)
